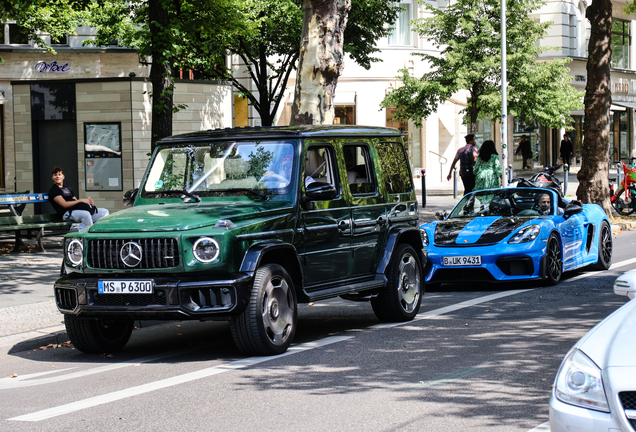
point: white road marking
(543, 427)
(169, 382)
(26, 381)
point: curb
(623, 226)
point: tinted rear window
(394, 165)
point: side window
(319, 166)
(394, 166)
(359, 169)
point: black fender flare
(259, 254)
(409, 235)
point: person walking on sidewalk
(566, 149)
(466, 156)
(524, 149)
(487, 169)
(64, 202)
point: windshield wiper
(183, 194)
(259, 193)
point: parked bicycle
(623, 199)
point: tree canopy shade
(468, 35)
(189, 34)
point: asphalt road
(479, 357)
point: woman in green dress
(487, 168)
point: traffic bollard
(566, 171)
(454, 183)
(423, 173)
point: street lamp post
(504, 101)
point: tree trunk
(593, 176)
(321, 60)
(160, 73)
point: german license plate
(126, 287)
(462, 260)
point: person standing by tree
(525, 150)
(487, 168)
(466, 156)
(566, 149)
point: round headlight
(205, 249)
(75, 252)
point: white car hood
(612, 343)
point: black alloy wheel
(554, 260)
(605, 248)
(94, 336)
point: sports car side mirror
(626, 284)
(572, 209)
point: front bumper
(499, 262)
(174, 297)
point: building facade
(89, 111)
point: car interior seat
(315, 166)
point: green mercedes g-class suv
(241, 225)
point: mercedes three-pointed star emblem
(130, 254)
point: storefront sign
(42, 66)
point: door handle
(343, 225)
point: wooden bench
(30, 226)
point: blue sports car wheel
(554, 260)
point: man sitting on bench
(63, 200)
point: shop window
(54, 101)
(401, 34)
(18, 35)
(345, 114)
(60, 41)
(620, 44)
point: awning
(624, 104)
(616, 107)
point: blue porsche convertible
(512, 234)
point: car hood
(611, 342)
(182, 217)
(479, 230)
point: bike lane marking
(240, 364)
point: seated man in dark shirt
(65, 203)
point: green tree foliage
(271, 52)
(36, 17)
(187, 34)
(468, 34)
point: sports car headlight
(205, 249)
(75, 252)
(526, 234)
(424, 237)
(579, 382)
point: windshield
(505, 202)
(218, 169)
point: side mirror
(130, 196)
(626, 284)
(572, 209)
(321, 191)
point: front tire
(94, 336)
(605, 248)
(268, 324)
(554, 260)
(400, 299)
